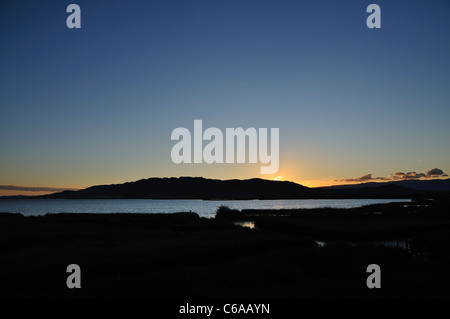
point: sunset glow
(352, 104)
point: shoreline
(39, 207)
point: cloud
(436, 172)
(362, 179)
(34, 189)
(397, 176)
(409, 175)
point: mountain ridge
(192, 188)
(186, 187)
(415, 184)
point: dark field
(184, 256)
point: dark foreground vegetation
(185, 256)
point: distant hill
(434, 185)
(202, 188)
(192, 188)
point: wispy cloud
(34, 189)
(397, 176)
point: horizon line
(52, 190)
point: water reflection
(248, 224)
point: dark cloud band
(33, 189)
(397, 176)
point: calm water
(30, 207)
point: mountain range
(415, 184)
(203, 188)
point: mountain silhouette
(192, 188)
(432, 185)
(203, 188)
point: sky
(97, 105)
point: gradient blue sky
(97, 105)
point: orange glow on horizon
(317, 182)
